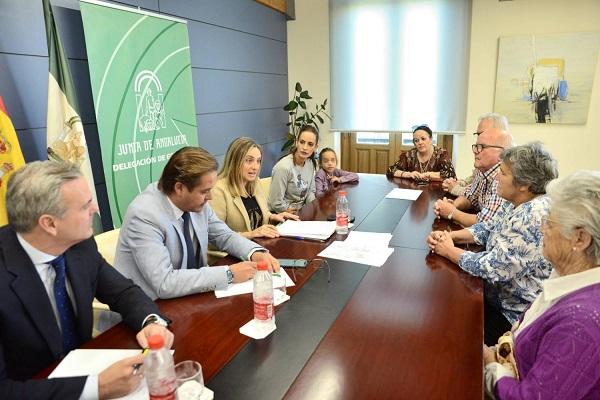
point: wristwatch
(155, 319)
(229, 275)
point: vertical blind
(399, 63)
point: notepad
(404, 194)
(246, 287)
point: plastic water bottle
(341, 213)
(160, 370)
(264, 311)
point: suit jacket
(151, 248)
(30, 338)
(231, 209)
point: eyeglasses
(478, 148)
(418, 125)
(547, 221)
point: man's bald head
(493, 141)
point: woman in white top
(293, 182)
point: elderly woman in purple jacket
(557, 341)
(329, 175)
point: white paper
(404, 194)
(246, 287)
(320, 230)
(361, 254)
(368, 239)
(257, 331)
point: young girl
(329, 175)
(293, 182)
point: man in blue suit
(50, 271)
(165, 235)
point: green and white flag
(141, 76)
(65, 138)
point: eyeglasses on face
(478, 148)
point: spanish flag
(11, 157)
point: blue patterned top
(512, 265)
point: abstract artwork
(546, 78)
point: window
(398, 63)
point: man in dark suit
(50, 271)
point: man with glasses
(490, 120)
(481, 195)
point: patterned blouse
(512, 265)
(483, 194)
(438, 162)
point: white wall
(308, 55)
(575, 146)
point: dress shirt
(483, 194)
(41, 261)
(178, 213)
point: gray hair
(531, 165)
(34, 190)
(575, 203)
(498, 121)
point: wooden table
(411, 329)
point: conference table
(411, 329)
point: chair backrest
(107, 244)
(265, 184)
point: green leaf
(288, 124)
(302, 104)
(298, 87)
(288, 143)
(324, 103)
(292, 105)
(305, 95)
(320, 119)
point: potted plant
(299, 115)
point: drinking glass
(190, 382)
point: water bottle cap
(156, 342)
(261, 266)
(342, 192)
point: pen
(136, 367)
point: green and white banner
(141, 77)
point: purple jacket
(558, 355)
(323, 184)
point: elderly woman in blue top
(512, 264)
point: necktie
(191, 258)
(64, 306)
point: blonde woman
(238, 199)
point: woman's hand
(268, 231)
(489, 354)
(282, 216)
(440, 242)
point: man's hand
(243, 271)
(154, 329)
(271, 261)
(440, 242)
(448, 184)
(118, 379)
(444, 207)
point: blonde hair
(232, 167)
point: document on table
(404, 194)
(246, 287)
(81, 362)
(361, 247)
(319, 230)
